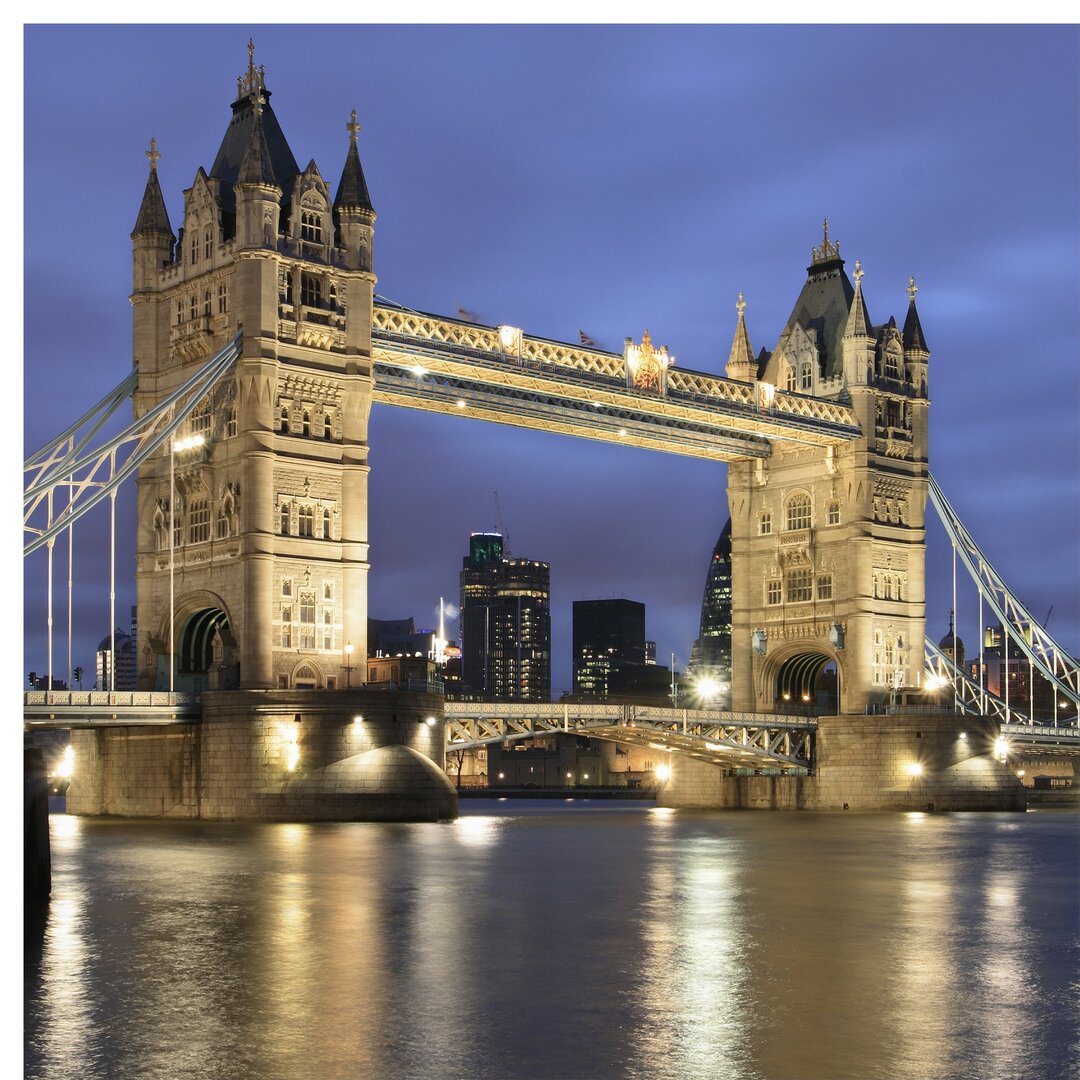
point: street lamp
(178, 445)
(347, 666)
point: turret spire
(352, 192)
(913, 335)
(153, 219)
(858, 322)
(741, 364)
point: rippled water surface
(561, 940)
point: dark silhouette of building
(952, 645)
(612, 659)
(710, 657)
(505, 624)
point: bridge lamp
(915, 768)
(419, 370)
(461, 403)
(707, 689)
(357, 719)
(663, 773)
(67, 763)
(1001, 748)
(430, 721)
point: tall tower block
(267, 558)
(828, 545)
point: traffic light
(33, 679)
(78, 676)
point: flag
(465, 316)
(585, 339)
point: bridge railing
(122, 698)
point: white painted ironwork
(726, 739)
(1044, 653)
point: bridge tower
(828, 545)
(252, 546)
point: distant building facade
(505, 624)
(612, 658)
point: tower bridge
(260, 347)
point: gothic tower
(828, 545)
(252, 545)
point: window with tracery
(764, 526)
(772, 592)
(326, 523)
(311, 226)
(307, 521)
(833, 513)
(800, 585)
(307, 620)
(807, 377)
(824, 587)
(199, 520)
(284, 519)
(310, 290)
(798, 511)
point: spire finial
(254, 78)
(352, 127)
(858, 275)
(912, 289)
(740, 307)
(646, 340)
(829, 249)
(153, 155)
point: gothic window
(332, 295)
(200, 419)
(832, 514)
(790, 380)
(310, 290)
(283, 419)
(223, 523)
(798, 511)
(328, 590)
(222, 297)
(307, 620)
(284, 519)
(326, 523)
(286, 587)
(764, 525)
(230, 421)
(179, 311)
(307, 521)
(824, 587)
(311, 226)
(892, 363)
(199, 520)
(807, 379)
(178, 522)
(328, 426)
(328, 629)
(194, 304)
(286, 627)
(307, 422)
(208, 242)
(194, 246)
(207, 307)
(772, 592)
(800, 585)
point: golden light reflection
(478, 832)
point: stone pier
(274, 755)
(902, 762)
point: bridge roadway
(731, 740)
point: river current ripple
(538, 940)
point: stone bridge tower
(828, 546)
(267, 561)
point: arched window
(798, 511)
(284, 419)
(807, 377)
(311, 226)
(328, 629)
(207, 304)
(307, 521)
(284, 519)
(223, 523)
(764, 525)
(328, 426)
(194, 245)
(790, 380)
(892, 363)
(208, 242)
(199, 520)
(833, 513)
(326, 523)
(307, 422)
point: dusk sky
(608, 179)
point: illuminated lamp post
(347, 667)
(175, 447)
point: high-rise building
(505, 624)
(710, 657)
(609, 638)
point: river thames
(561, 940)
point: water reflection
(560, 941)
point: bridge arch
(803, 678)
(205, 645)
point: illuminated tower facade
(828, 544)
(252, 552)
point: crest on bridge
(647, 365)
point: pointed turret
(916, 352)
(858, 340)
(257, 190)
(152, 238)
(354, 215)
(741, 364)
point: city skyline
(585, 197)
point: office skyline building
(505, 623)
(608, 641)
(710, 657)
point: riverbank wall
(273, 755)
(939, 762)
